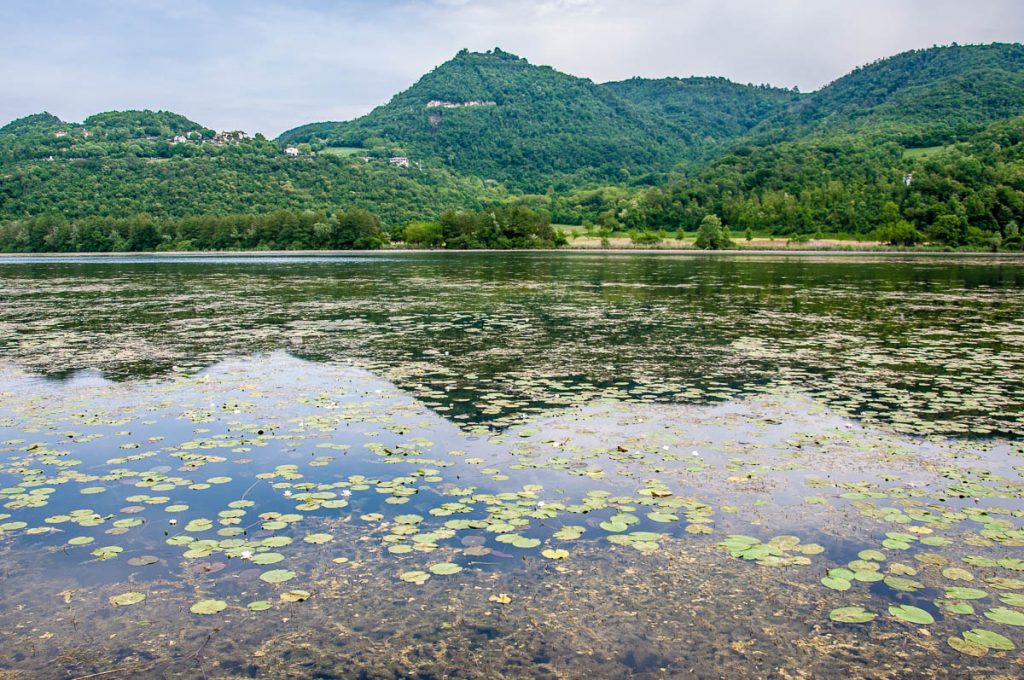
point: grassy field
(623, 242)
(344, 151)
(925, 152)
(580, 239)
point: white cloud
(265, 66)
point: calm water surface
(520, 465)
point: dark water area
(517, 465)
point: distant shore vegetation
(504, 227)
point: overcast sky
(266, 66)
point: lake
(462, 465)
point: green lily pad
(967, 647)
(445, 569)
(277, 575)
(415, 576)
(840, 584)
(957, 574)
(258, 605)
(961, 593)
(208, 607)
(903, 584)
(1010, 617)
(873, 555)
(125, 599)
(988, 639)
(954, 606)
(613, 526)
(318, 539)
(107, 552)
(911, 614)
(851, 615)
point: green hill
(122, 163)
(918, 98)
(923, 141)
(711, 110)
(496, 116)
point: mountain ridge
(617, 130)
(925, 143)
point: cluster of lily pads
(466, 499)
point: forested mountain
(968, 193)
(711, 110)
(917, 98)
(111, 134)
(923, 146)
(533, 127)
(497, 116)
(120, 164)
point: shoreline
(204, 254)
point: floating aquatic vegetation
(852, 614)
(911, 614)
(126, 599)
(515, 446)
(208, 607)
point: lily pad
(1010, 617)
(851, 615)
(277, 575)
(295, 595)
(415, 576)
(318, 539)
(445, 569)
(208, 607)
(987, 638)
(125, 599)
(961, 593)
(911, 614)
(840, 584)
(967, 647)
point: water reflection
(343, 523)
(925, 344)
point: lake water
(464, 465)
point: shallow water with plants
(467, 465)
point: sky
(266, 66)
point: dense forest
(502, 227)
(499, 117)
(122, 164)
(923, 147)
(968, 193)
